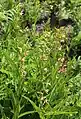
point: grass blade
(26, 113)
(36, 108)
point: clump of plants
(38, 77)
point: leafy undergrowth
(36, 81)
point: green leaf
(36, 108)
(59, 113)
(26, 113)
(2, 16)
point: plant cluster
(40, 67)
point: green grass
(31, 86)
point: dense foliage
(40, 65)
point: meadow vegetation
(40, 69)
